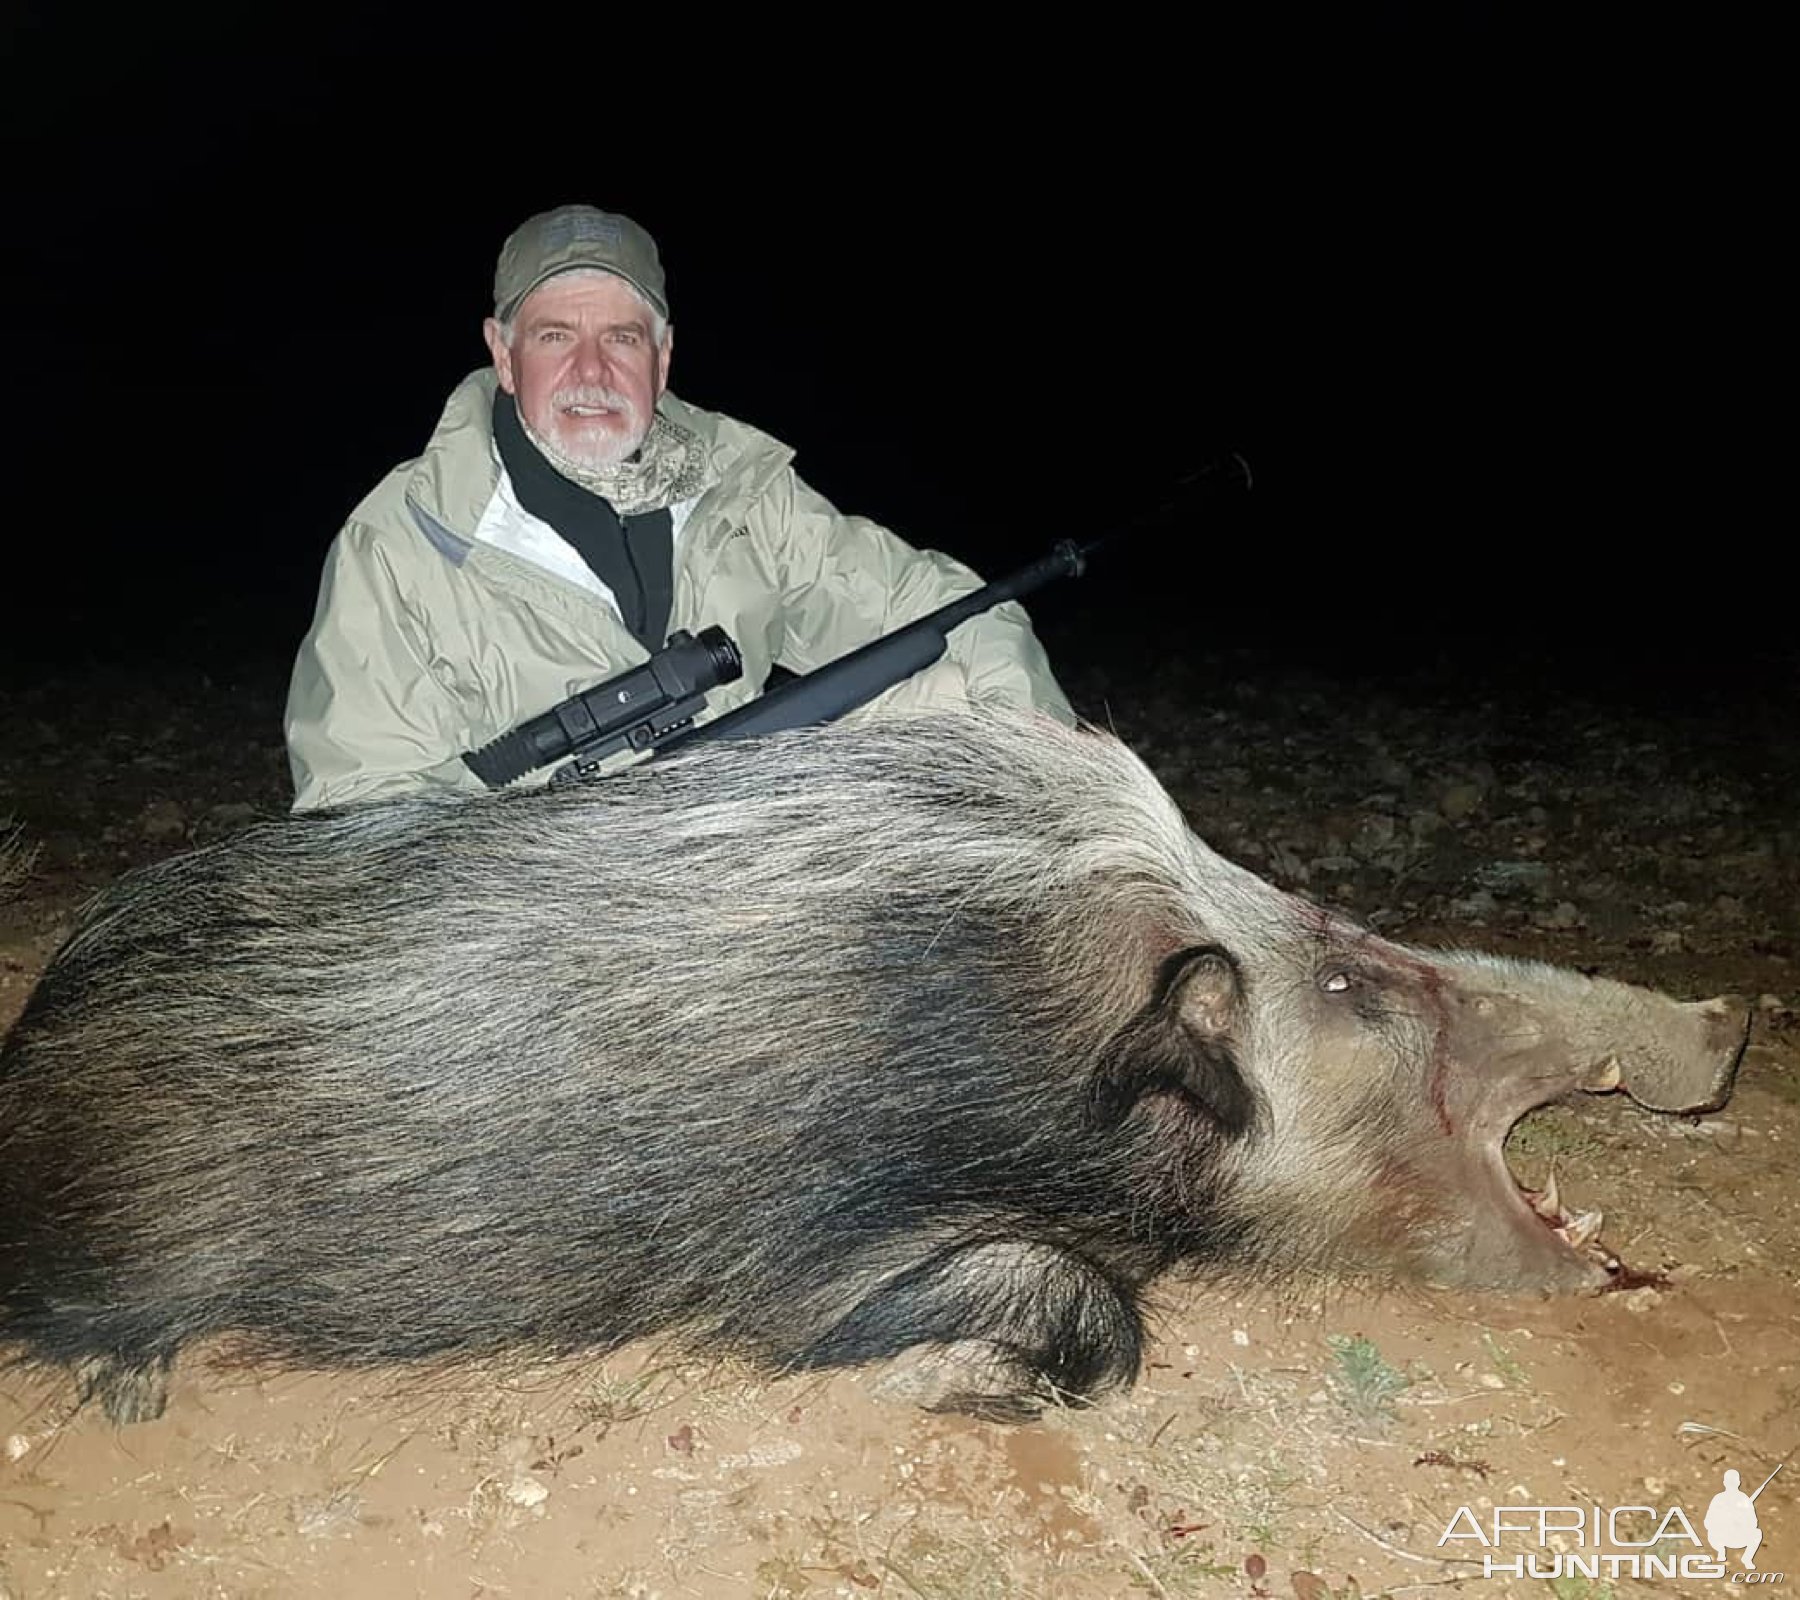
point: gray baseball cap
(571, 237)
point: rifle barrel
(846, 683)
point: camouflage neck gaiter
(669, 465)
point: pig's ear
(1185, 1039)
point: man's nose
(592, 362)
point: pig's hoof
(127, 1391)
(975, 1377)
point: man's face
(583, 366)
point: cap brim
(508, 312)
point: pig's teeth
(1607, 1078)
(1585, 1226)
(1549, 1203)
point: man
(567, 515)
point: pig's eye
(1335, 982)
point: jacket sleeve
(366, 719)
(847, 581)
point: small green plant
(1262, 1532)
(1363, 1383)
(780, 1578)
(1261, 1503)
(1575, 1587)
(605, 1400)
(1184, 1570)
(1310, 1586)
(1505, 1363)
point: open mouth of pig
(1578, 1231)
(1668, 1057)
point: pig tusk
(1583, 1228)
(1608, 1078)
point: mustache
(611, 399)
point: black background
(1490, 309)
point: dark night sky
(1480, 316)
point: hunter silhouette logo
(1587, 1542)
(1731, 1520)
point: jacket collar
(456, 476)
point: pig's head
(1353, 1096)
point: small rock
(1426, 824)
(163, 820)
(1287, 864)
(1374, 834)
(774, 1453)
(1564, 914)
(1478, 907)
(1460, 801)
(334, 1516)
(1667, 942)
(1517, 877)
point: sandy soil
(1285, 1440)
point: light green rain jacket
(428, 642)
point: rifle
(652, 707)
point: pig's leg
(128, 1390)
(993, 1330)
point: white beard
(598, 452)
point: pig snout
(1689, 1064)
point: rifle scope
(624, 708)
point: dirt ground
(1304, 1440)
